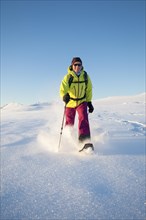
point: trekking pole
(61, 127)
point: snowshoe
(87, 148)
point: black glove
(66, 98)
(90, 106)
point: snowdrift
(40, 181)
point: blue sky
(40, 38)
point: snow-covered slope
(38, 182)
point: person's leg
(70, 116)
(83, 123)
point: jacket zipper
(81, 91)
(78, 90)
(75, 90)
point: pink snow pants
(83, 122)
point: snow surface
(38, 182)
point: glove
(66, 98)
(90, 106)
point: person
(76, 92)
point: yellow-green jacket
(79, 91)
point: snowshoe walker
(87, 148)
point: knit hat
(76, 59)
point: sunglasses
(77, 64)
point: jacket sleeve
(64, 87)
(89, 90)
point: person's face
(77, 67)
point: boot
(88, 147)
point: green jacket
(78, 91)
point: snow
(40, 182)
